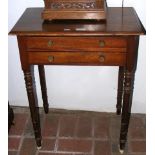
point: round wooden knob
(101, 43)
(50, 43)
(50, 58)
(102, 58)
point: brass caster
(121, 151)
(38, 147)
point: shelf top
(120, 21)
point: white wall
(80, 88)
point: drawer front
(77, 58)
(76, 43)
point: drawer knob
(101, 43)
(102, 58)
(50, 43)
(50, 58)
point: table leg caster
(38, 147)
(121, 150)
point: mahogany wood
(112, 43)
(43, 87)
(130, 69)
(120, 90)
(119, 22)
(70, 43)
(33, 103)
(77, 58)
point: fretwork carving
(73, 5)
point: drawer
(76, 43)
(77, 58)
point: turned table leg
(120, 90)
(43, 87)
(126, 110)
(130, 68)
(32, 97)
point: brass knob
(50, 43)
(101, 43)
(50, 58)
(101, 58)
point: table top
(120, 21)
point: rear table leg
(43, 87)
(120, 90)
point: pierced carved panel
(73, 5)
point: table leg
(32, 97)
(130, 68)
(43, 87)
(120, 90)
(126, 110)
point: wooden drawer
(77, 58)
(76, 43)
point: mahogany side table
(111, 43)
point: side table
(95, 43)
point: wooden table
(111, 43)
